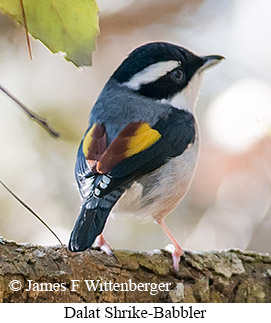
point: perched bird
(140, 150)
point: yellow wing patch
(133, 139)
(88, 139)
(143, 138)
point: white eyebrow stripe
(151, 74)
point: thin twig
(41, 121)
(26, 31)
(31, 211)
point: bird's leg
(103, 245)
(178, 251)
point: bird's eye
(177, 75)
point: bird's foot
(175, 249)
(101, 243)
(176, 253)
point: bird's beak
(209, 61)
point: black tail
(91, 221)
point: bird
(139, 153)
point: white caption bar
(142, 312)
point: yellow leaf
(68, 26)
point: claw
(176, 253)
(103, 245)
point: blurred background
(228, 205)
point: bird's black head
(160, 70)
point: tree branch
(224, 276)
(30, 210)
(41, 121)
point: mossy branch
(216, 276)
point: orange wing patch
(134, 138)
(94, 144)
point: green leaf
(68, 26)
